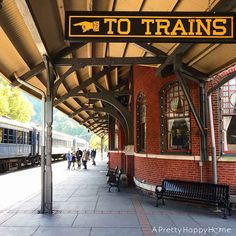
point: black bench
(114, 180)
(112, 172)
(213, 194)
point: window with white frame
(228, 108)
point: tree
(13, 104)
(4, 95)
(95, 142)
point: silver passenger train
(20, 144)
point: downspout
(213, 142)
(42, 138)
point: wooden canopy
(93, 80)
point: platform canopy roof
(29, 29)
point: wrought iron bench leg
(157, 201)
(225, 213)
(229, 211)
(163, 202)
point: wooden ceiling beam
(108, 110)
(88, 118)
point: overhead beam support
(108, 61)
(120, 84)
(107, 97)
(83, 85)
(153, 50)
(88, 118)
(195, 75)
(181, 49)
(30, 74)
(66, 51)
(108, 110)
(198, 119)
(115, 94)
(221, 6)
(97, 131)
(224, 6)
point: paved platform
(83, 206)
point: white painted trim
(168, 157)
(116, 151)
(226, 159)
(143, 185)
(129, 150)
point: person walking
(93, 155)
(73, 161)
(79, 154)
(69, 159)
(85, 158)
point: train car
(15, 142)
(61, 144)
(80, 143)
(20, 144)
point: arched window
(228, 109)
(175, 120)
(141, 123)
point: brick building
(167, 140)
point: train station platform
(83, 206)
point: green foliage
(61, 122)
(26, 108)
(95, 142)
(4, 95)
(66, 125)
(13, 104)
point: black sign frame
(150, 27)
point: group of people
(79, 156)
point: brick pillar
(129, 151)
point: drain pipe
(42, 138)
(213, 142)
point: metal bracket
(180, 77)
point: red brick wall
(145, 81)
(130, 169)
(115, 160)
(227, 174)
(153, 171)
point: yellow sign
(150, 26)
